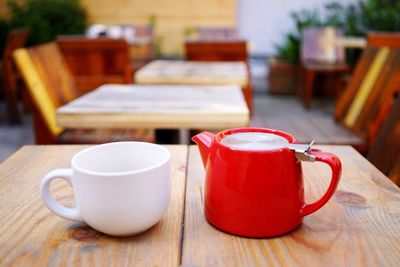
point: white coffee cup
(120, 188)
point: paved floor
(13, 137)
(280, 112)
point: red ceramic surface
(257, 193)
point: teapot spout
(204, 142)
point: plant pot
(283, 77)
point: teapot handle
(336, 166)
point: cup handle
(336, 166)
(53, 205)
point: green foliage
(380, 15)
(47, 18)
(355, 20)
(289, 51)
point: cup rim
(75, 166)
(224, 133)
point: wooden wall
(172, 16)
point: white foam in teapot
(255, 141)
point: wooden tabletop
(192, 72)
(157, 106)
(359, 226)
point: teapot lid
(254, 141)
(261, 141)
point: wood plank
(30, 235)
(157, 106)
(358, 227)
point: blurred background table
(197, 73)
(157, 106)
(359, 226)
(192, 72)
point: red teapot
(258, 191)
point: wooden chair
(140, 39)
(50, 85)
(15, 39)
(320, 57)
(222, 50)
(375, 78)
(385, 152)
(94, 62)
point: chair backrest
(373, 81)
(319, 45)
(15, 39)
(391, 40)
(385, 152)
(94, 62)
(228, 50)
(222, 50)
(49, 84)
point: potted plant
(46, 19)
(356, 19)
(283, 76)
(284, 68)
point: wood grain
(157, 106)
(30, 235)
(359, 226)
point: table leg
(308, 88)
(184, 136)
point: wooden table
(157, 106)
(192, 72)
(311, 70)
(359, 226)
(197, 72)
